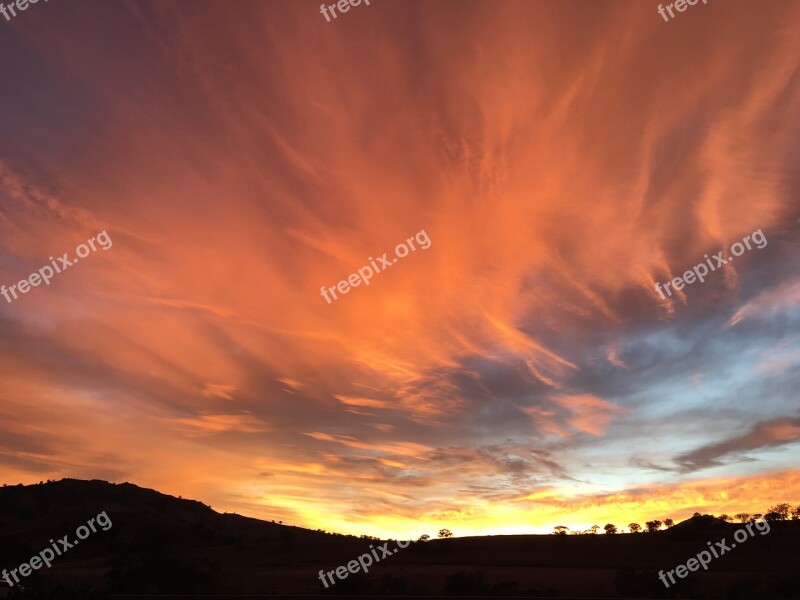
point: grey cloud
(767, 434)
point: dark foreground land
(160, 546)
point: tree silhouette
(424, 537)
(445, 533)
(779, 512)
(560, 530)
(653, 526)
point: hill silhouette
(160, 544)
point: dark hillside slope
(160, 544)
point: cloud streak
(563, 158)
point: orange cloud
(590, 413)
(559, 176)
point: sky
(520, 372)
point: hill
(158, 544)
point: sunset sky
(520, 373)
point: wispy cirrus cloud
(241, 157)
